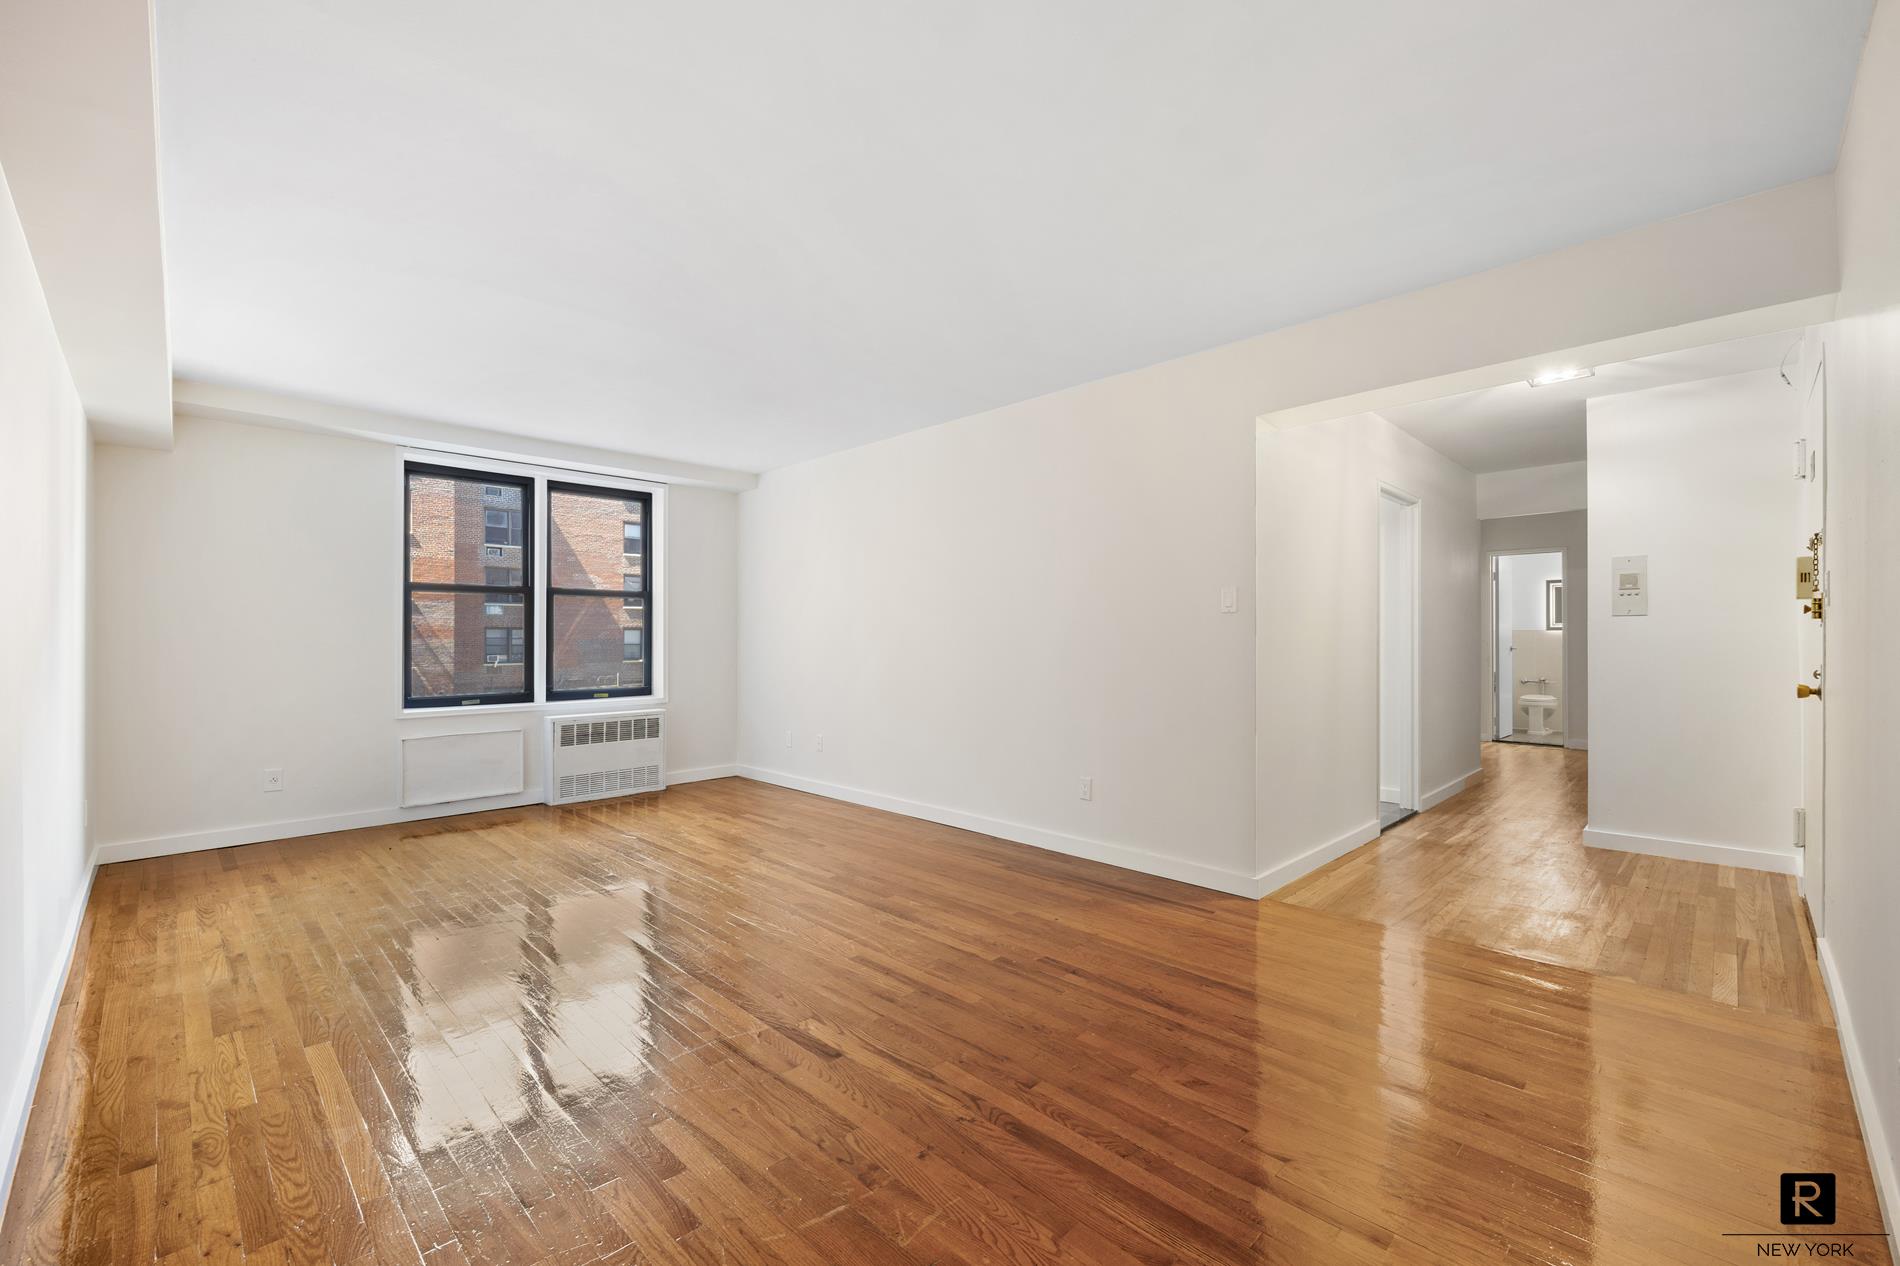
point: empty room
(1065, 633)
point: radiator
(606, 754)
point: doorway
(1525, 635)
(1398, 655)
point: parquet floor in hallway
(735, 1023)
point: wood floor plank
(734, 1023)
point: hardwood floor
(1504, 866)
(734, 1023)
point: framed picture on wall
(1553, 604)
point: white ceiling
(745, 233)
(79, 146)
(1518, 425)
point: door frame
(1412, 514)
(1813, 879)
(1491, 634)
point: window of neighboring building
(502, 527)
(465, 640)
(599, 606)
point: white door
(1811, 663)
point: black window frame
(646, 573)
(410, 588)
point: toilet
(1538, 707)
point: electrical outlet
(273, 780)
(1088, 789)
(789, 741)
(818, 741)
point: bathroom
(1528, 607)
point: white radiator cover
(444, 768)
(601, 754)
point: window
(500, 578)
(502, 527)
(599, 607)
(465, 636)
(504, 646)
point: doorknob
(1804, 691)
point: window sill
(625, 703)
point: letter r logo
(1807, 1199)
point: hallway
(1503, 866)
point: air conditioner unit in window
(603, 754)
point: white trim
(1389, 795)
(1122, 855)
(1692, 851)
(1873, 1130)
(1445, 791)
(701, 774)
(1409, 763)
(1579, 745)
(1274, 878)
(265, 832)
(20, 1097)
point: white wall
(958, 658)
(253, 621)
(1694, 733)
(1568, 533)
(44, 855)
(1862, 943)
(1504, 494)
(1316, 555)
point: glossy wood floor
(733, 1023)
(1504, 866)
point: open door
(1811, 822)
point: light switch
(1229, 599)
(1629, 584)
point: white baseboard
(39, 1025)
(1438, 795)
(1122, 855)
(1866, 1105)
(1275, 878)
(258, 833)
(1692, 851)
(1580, 745)
(702, 774)
(1389, 795)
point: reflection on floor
(1503, 866)
(1392, 814)
(734, 1023)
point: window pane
(592, 641)
(457, 648)
(589, 538)
(454, 536)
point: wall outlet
(818, 741)
(273, 780)
(1088, 789)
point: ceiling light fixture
(1551, 377)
